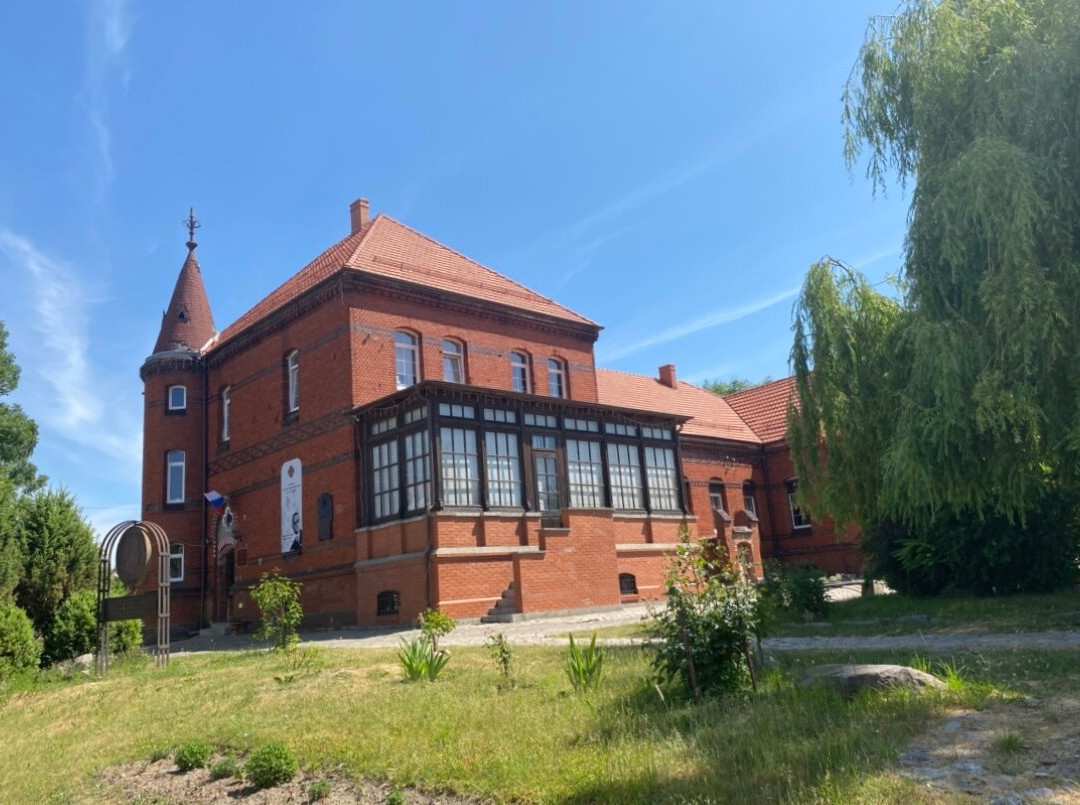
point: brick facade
(340, 316)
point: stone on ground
(850, 679)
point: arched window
(174, 476)
(519, 372)
(627, 584)
(293, 364)
(749, 493)
(407, 352)
(388, 603)
(177, 398)
(453, 361)
(556, 377)
(718, 500)
(176, 562)
(226, 412)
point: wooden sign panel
(131, 607)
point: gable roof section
(710, 415)
(764, 408)
(389, 249)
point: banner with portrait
(292, 510)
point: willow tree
(976, 106)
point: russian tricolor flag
(216, 499)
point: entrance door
(548, 499)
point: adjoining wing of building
(398, 427)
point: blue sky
(668, 170)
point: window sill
(802, 530)
(175, 411)
(174, 507)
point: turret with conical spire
(188, 323)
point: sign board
(133, 557)
(292, 514)
(131, 607)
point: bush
(225, 768)
(987, 556)
(434, 624)
(420, 661)
(278, 599)
(193, 755)
(702, 638)
(125, 637)
(584, 668)
(20, 650)
(791, 592)
(74, 631)
(320, 789)
(503, 655)
(271, 764)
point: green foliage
(395, 797)
(792, 592)
(271, 764)
(584, 668)
(959, 400)
(193, 755)
(74, 631)
(502, 653)
(320, 789)
(420, 661)
(733, 385)
(278, 599)
(18, 433)
(225, 768)
(702, 638)
(434, 624)
(125, 637)
(20, 650)
(60, 554)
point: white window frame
(407, 349)
(175, 458)
(292, 361)
(226, 412)
(557, 374)
(453, 355)
(183, 402)
(519, 362)
(750, 499)
(176, 553)
(801, 521)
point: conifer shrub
(20, 650)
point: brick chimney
(667, 375)
(359, 214)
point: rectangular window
(624, 469)
(799, 519)
(662, 477)
(749, 501)
(541, 421)
(459, 411)
(618, 429)
(177, 398)
(384, 480)
(294, 381)
(499, 415)
(587, 425)
(556, 378)
(503, 469)
(453, 362)
(519, 370)
(460, 467)
(656, 433)
(415, 415)
(541, 442)
(176, 562)
(383, 425)
(417, 471)
(174, 491)
(586, 474)
(407, 359)
(226, 412)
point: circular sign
(133, 557)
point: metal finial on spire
(192, 224)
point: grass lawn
(879, 613)
(348, 711)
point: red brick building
(398, 427)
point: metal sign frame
(159, 540)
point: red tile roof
(710, 415)
(386, 248)
(188, 322)
(765, 408)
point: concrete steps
(504, 610)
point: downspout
(768, 504)
(202, 496)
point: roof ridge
(787, 379)
(478, 264)
(628, 374)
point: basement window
(627, 584)
(388, 603)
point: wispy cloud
(109, 30)
(77, 406)
(726, 316)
